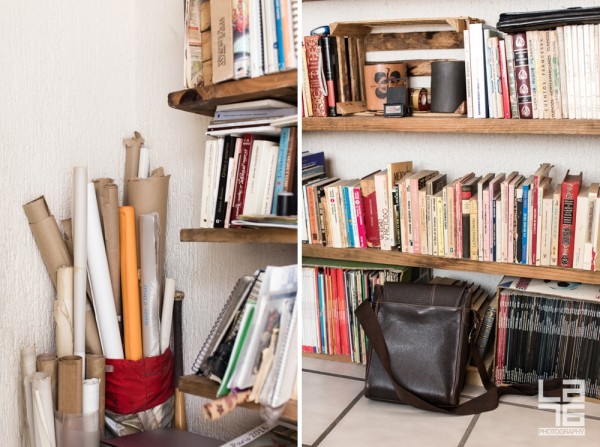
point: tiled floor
(336, 414)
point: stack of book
(557, 322)
(538, 73)
(251, 165)
(495, 217)
(253, 342)
(228, 40)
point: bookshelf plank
(204, 100)
(204, 387)
(362, 28)
(240, 235)
(461, 125)
(416, 260)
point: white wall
(353, 155)
(75, 79)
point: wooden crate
(355, 39)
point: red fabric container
(137, 385)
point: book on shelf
(570, 187)
(317, 87)
(528, 309)
(192, 56)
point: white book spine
(580, 48)
(538, 241)
(555, 226)
(205, 205)
(589, 248)
(434, 223)
(562, 71)
(546, 231)
(490, 72)
(468, 73)
(256, 39)
(250, 198)
(478, 80)
(581, 223)
(587, 54)
(567, 44)
(383, 215)
(269, 182)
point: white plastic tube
(150, 284)
(43, 410)
(144, 164)
(167, 315)
(79, 221)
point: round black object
(448, 86)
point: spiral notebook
(232, 306)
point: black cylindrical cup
(284, 204)
(448, 86)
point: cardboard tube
(63, 330)
(67, 225)
(167, 315)
(92, 337)
(150, 284)
(95, 367)
(64, 292)
(70, 380)
(150, 195)
(43, 414)
(104, 303)
(79, 221)
(48, 363)
(107, 195)
(132, 161)
(47, 236)
(129, 282)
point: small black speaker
(448, 86)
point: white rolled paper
(64, 291)
(91, 396)
(64, 332)
(167, 315)
(144, 165)
(79, 223)
(103, 300)
(150, 284)
(43, 413)
(28, 365)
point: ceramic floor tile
(323, 398)
(511, 425)
(344, 369)
(373, 424)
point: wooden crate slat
(240, 235)
(362, 28)
(425, 40)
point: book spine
(525, 223)
(433, 234)
(241, 39)
(396, 222)
(231, 180)
(490, 72)
(315, 75)
(242, 179)
(536, 249)
(221, 206)
(497, 78)
(486, 219)
(279, 34)
(415, 211)
(518, 249)
(556, 203)
(458, 220)
(311, 206)
(473, 230)
(307, 103)
(409, 217)
(265, 197)
(512, 81)
(468, 73)
(545, 104)
(404, 216)
(504, 201)
(580, 70)
(581, 227)
(485, 332)
(360, 218)
(328, 44)
(205, 209)
(466, 224)
(423, 224)
(504, 79)
(493, 232)
(381, 196)
(428, 236)
(287, 31)
(555, 78)
(289, 179)
(367, 191)
(521, 61)
(587, 61)
(546, 245)
(575, 71)
(568, 209)
(284, 140)
(510, 239)
(478, 79)
(347, 210)
(222, 41)
(440, 224)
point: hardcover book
(570, 187)
(222, 40)
(521, 61)
(367, 191)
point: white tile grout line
(469, 430)
(341, 376)
(337, 420)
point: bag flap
(426, 294)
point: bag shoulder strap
(485, 402)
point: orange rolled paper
(132, 326)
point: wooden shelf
(460, 125)
(416, 260)
(204, 100)
(204, 387)
(332, 357)
(240, 235)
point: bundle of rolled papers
(94, 269)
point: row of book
(237, 39)
(253, 342)
(541, 74)
(245, 175)
(548, 330)
(495, 217)
(332, 290)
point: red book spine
(343, 313)
(522, 76)
(319, 347)
(242, 178)
(313, 229)
(568, 211)
(370, 213)
(504, 79)
(360, 218)
(315, 75)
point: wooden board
(442, 40)
(452, 124)
(204, 100)
(362, 28)
(417, 260)
(240, 235)
(332, 357)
